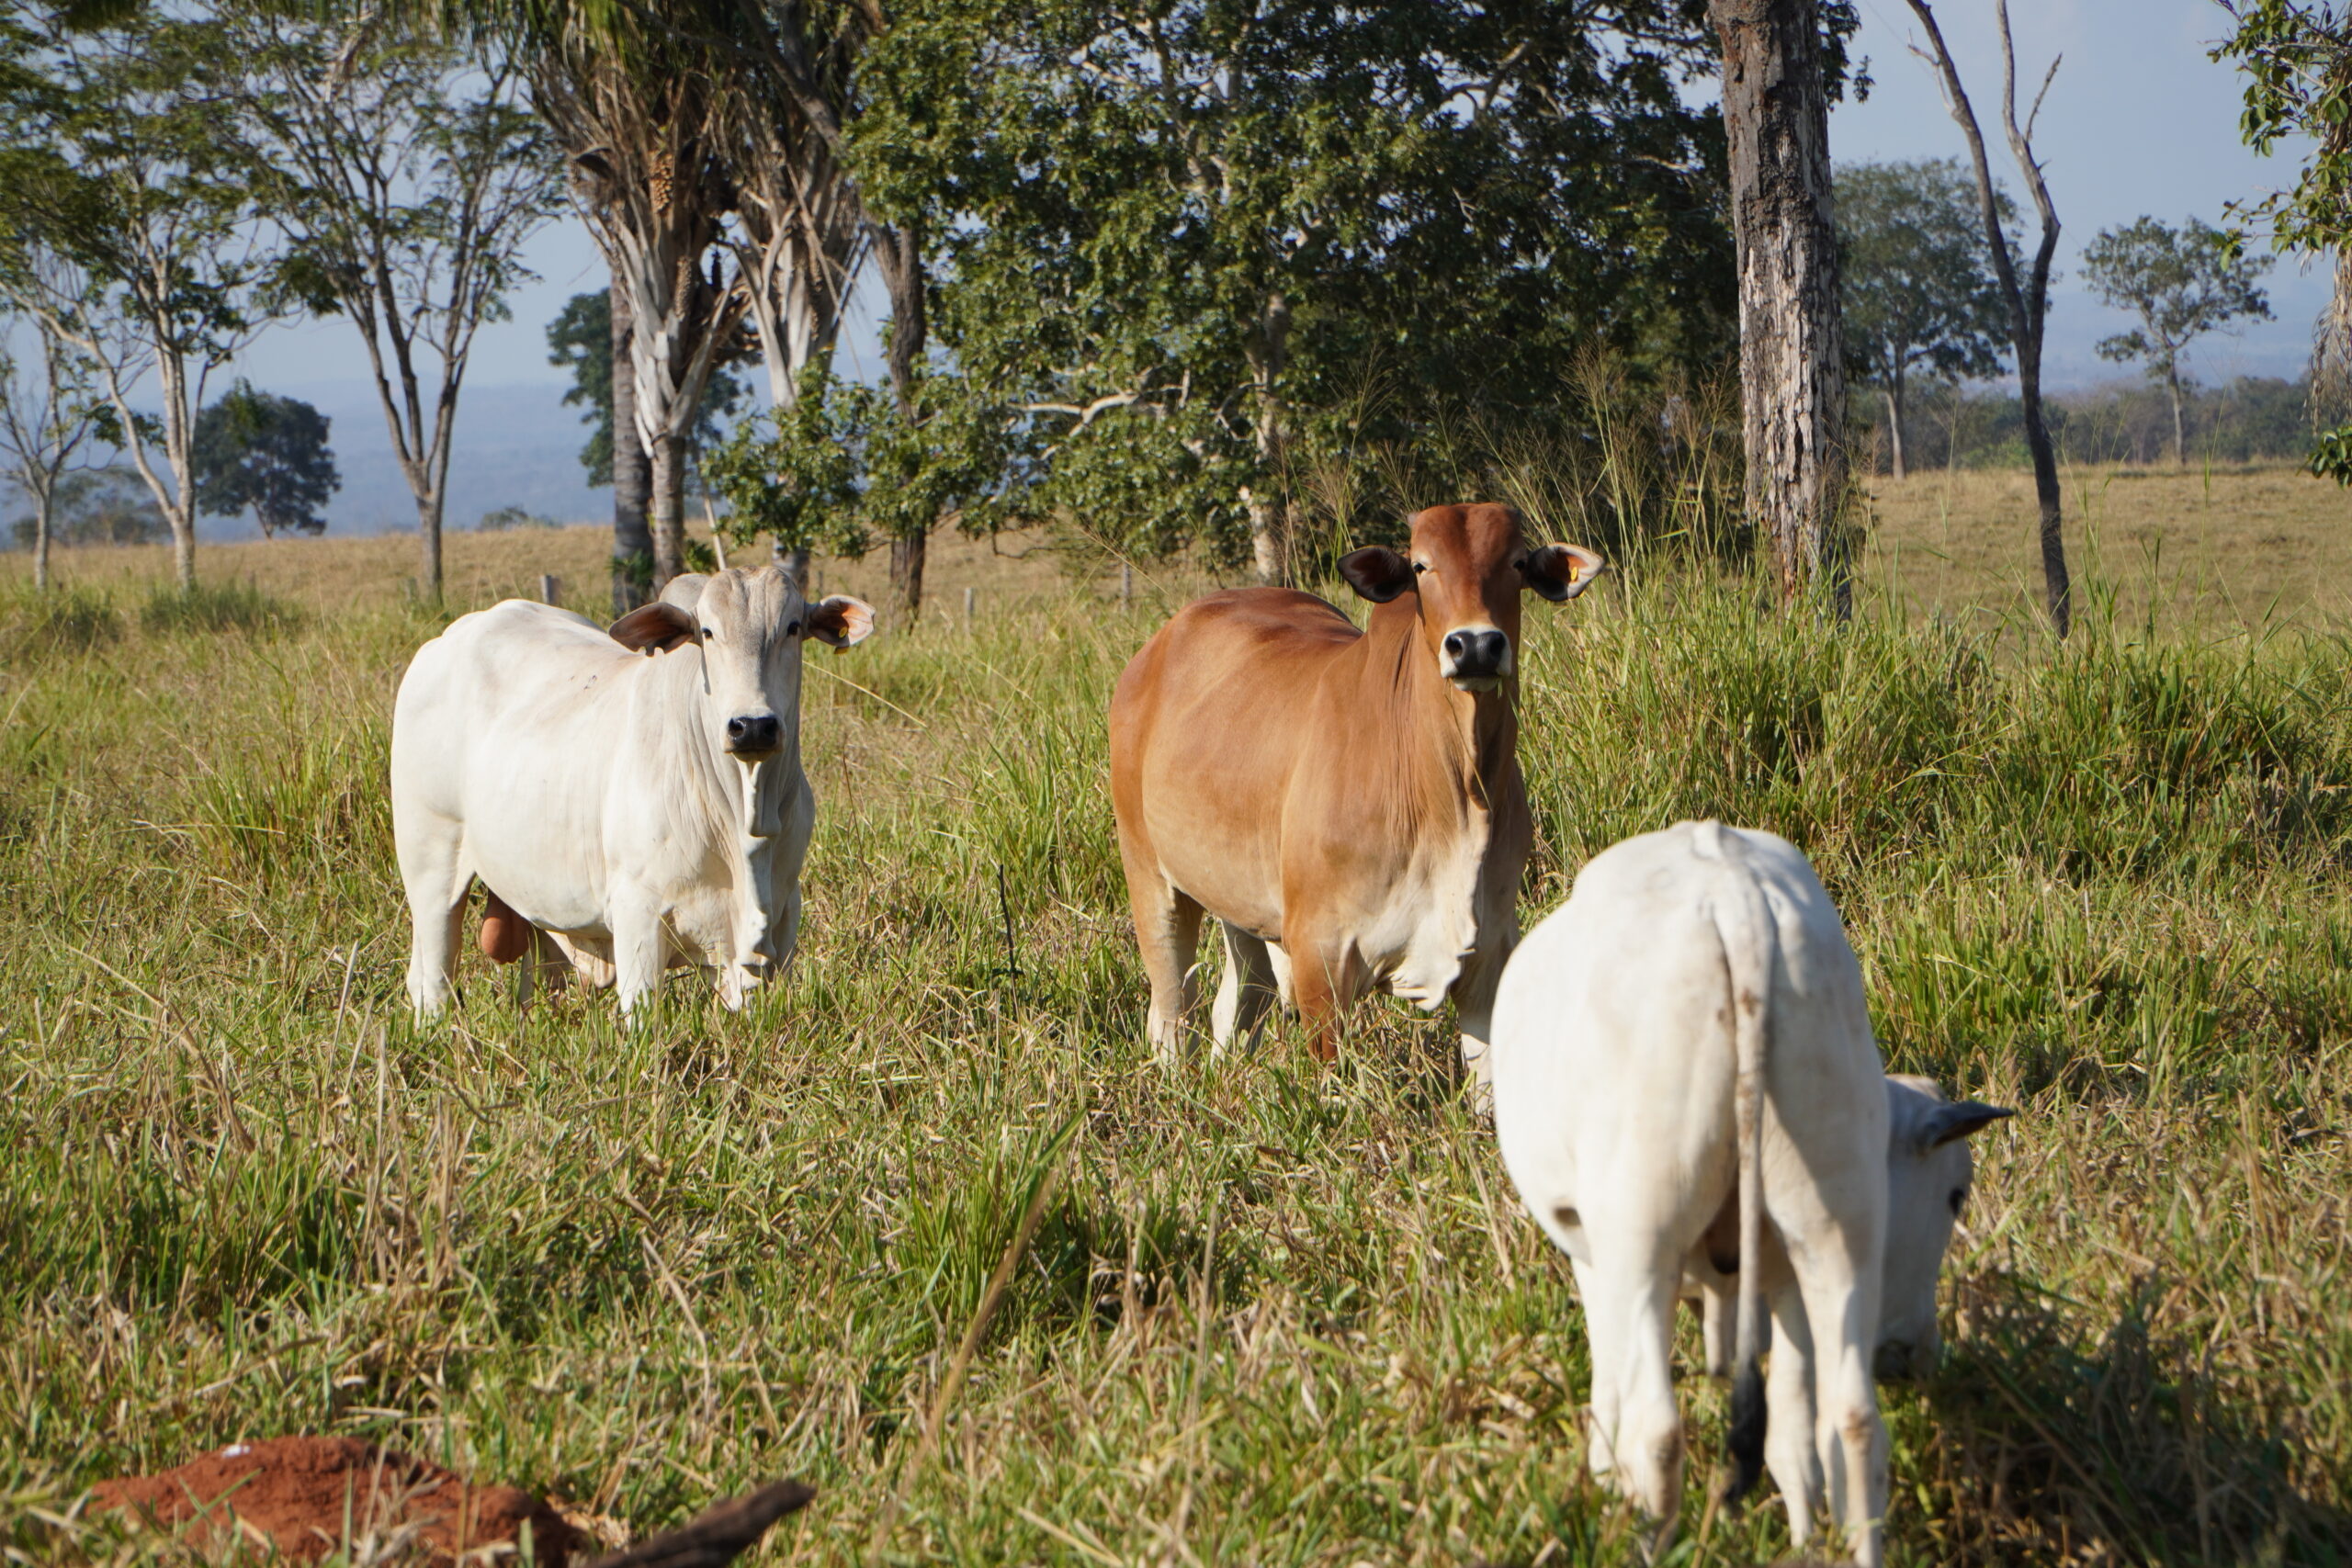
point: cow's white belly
(1416, 945)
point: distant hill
(517, 445)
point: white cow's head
(751, 626)
(1928, 1171)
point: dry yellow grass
(2245, 548)
(2228, 550)
(344, 571)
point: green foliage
(792, 473)
(115, 158)
(1918, 283)
(1177, 241)
(2182, 283)
(845, 461)
(258, 450)
(580, 340)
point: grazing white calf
(1685, 1080)
(636, 793)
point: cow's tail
(1744, 922)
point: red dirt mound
(308, 1496)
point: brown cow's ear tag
(653, 628)
(841, 621)
(1378, 574)
(1560, 572)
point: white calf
(636, 793)
(1684, 1067)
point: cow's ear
(653, 628)
(1560, 572)
(840, 620)
(1378, 574)
(1949, 1123)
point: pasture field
(1267, 1312)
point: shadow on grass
(2045, 1448)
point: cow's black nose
(752, 735)
(1476, 653)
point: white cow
(1686, 1086)
(635, 793)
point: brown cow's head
(1466, 566)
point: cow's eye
(792, 629)
(1420, 567)
(1958, 1196)
(707, 634)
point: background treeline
(2250, 419)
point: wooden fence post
(550, 589)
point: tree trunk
(2028, 301)
(428, 539)
(794, 563)
(2179, 437)
(632, 476)
(1894, 423)
(669, 519)
(183, 548)
(1791, 330)
(899, 252)
(43, 507)
(1269, 356)
(2057, 584)
(908, 553)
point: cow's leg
(1326, 980)
(638, 950)
(431, 852)
(1473, 1012)
(1168, 933)
(1840, 1306)
(1790, 1452)
(1646, 1444)
(1246, 992)
(1602, 1350)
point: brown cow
(1352, 797)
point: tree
(1918, 289)
(637, 113)
(1792, 335)
(47, 411)
(407, 179)
(1176, 244)
(580, 340)
(260, 451)
(2182, 283)
(2297, 58)
(100, 506)
(2028, 301)
(113, 159)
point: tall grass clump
(61, 623)
(215, 607)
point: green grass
(1271, 1314)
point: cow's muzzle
(1478, 654)
(754, 736)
